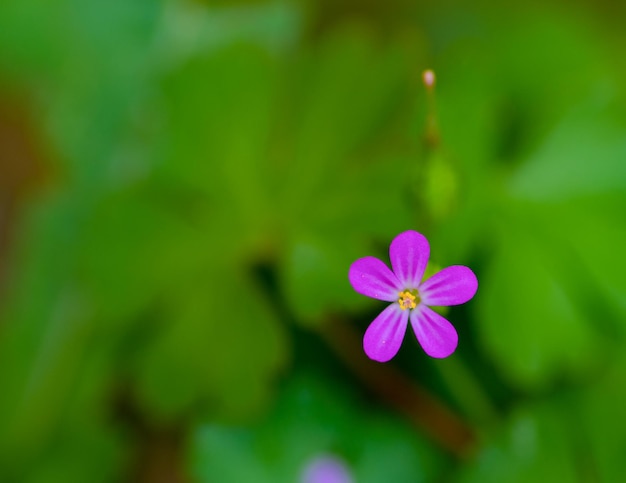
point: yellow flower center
(408, 299)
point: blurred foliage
(212, 169)
(313, 418)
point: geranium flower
(411, 298)
(326, 469)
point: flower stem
(431, 136)
(425, 411)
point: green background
(184, 184)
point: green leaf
(536, 443)
(583, 156)
(313, 417)
(220, 349)
(602, 423)
(530, 321)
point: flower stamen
(408, 299)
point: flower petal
(370, 276)
(326, 468)
(435, 334)
(383, 337)
(409, 253)
(451, 286)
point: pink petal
(435, 334)
(369, 276)
(383, 337)
(451, 286)
(409, 253)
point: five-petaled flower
(411, 298)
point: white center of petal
(408, 299)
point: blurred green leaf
(529, 321)
(535, 443)
(572, 435)
(191, 27)
(602, 421)
(313, 418)
(583, 156)
(219, 349)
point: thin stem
(432, 136)
(425, 411)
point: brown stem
(23, 160)
(420, 407)
(158, 455)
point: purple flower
(411, 298)
(326, 469)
